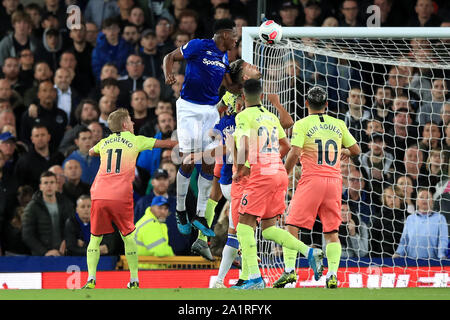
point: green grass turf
(230, 294)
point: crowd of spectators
(60, 81)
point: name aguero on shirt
(324, 126)
(118, 139)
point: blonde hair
(117, 118)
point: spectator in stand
(9, 149)
(164, 29)
(106, 105)
(16, 103)
(97, 11)
(387, 225)
(68, 97)
(11, 70)
(12, 44)
(445, 114)
(424, 16)
(350, 14)
(12, 243)
(150, 159)
(44, 219)
(155, 10)
(109, 71)
(132, 81)
(357, 116)
(82, 50)
(98, 132)
(171, 168)
(152, 236)
(406, 192)
(414, 166)
(180, 244)
(312, 12)
(141, 114)
(58, 9)
(358, 199)
(110, 47)
(437, 168)
(353, 234)
(30, 166)
(431, 139)
(150, 55)
(188, 22)
(152, 87)
(108, 87)
(431, 110)
(26, 63)
(60, 177)
(401, 80)
(77, 230)
(425, 234)
(240, 21)
(387, 15)
(73, 187)
(89, 164)
(381, 105)
(42, 72)
(85, 113)
(8, 188)
(377, 164)
(137, 18)
(132, 35)
(7, 8)
(289, 14)
(92, 33)
(51, 48)
(45, 113)
(401, 135)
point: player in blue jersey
(207, 68)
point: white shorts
(194, 124)
(226, 191)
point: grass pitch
(230, 294)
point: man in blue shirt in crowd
(206, 69)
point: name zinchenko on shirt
(323, 126)
(118, 139)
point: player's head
(252, 92)
(225, 32)
(316, 98)
(120, 120)
(241, 71)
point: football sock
(246, 237)
(209, 216)
(229, 253)
(183, 180)
(285, 239)
(131, 255)
(290, 258)
(204, 183)
(93, 255)
(333, 252)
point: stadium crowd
(60, 81)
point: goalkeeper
(317, 141)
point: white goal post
(391, 69)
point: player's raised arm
(165, 144)
(351, 152)
(168, 61)
(285, 118)
(292, 158)
(92, 152)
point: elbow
(286, 124)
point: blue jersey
(226, 125)
(205, 68)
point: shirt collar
(69, 91)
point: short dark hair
(108, 22)
(109, 82)
(223, 24)
(80, 106)
(317, 98)
(82, 129)
(46, 174)
(252, 87)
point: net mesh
(392, 95)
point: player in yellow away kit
(317, 140)
(112, 190)
(261, 142)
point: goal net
(389, 85)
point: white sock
(182, 189)
(204, 190)
(228, 256)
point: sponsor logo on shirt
(213, 63)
